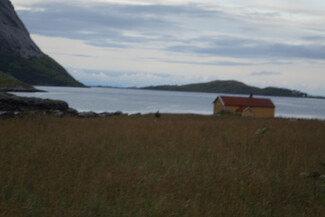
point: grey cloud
(214, 63)
(97, 22)
(103, 43)
(91, 17)
(191, 9)
(105, 24)
(249, 48)
(75, 55)
(314, 38)
(126, 73)
(68, 16)
(219, 63)
(263, 73)
(118, 74)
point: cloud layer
(188, 28)
(219, 40)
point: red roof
(244, 102)
(241, 108)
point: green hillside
(231, 87)
(9, 83)
(37, 70)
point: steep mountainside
(232, 87)
(14, 37)
(21, 57)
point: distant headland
(231, 87)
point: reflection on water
(149, 101)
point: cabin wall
(264, 112)
(249, 113)
(232, 108)
(217, 107)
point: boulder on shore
(9, 102)
(11, 105)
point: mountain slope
(232, 87)
(14, 37)
(37, 71)
(21, 57)
(9, 83)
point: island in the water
(231, 87)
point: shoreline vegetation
(161, 165)
(55, 161)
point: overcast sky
(148, 42)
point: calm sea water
(149, 101)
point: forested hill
(231, 87)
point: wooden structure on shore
(245, 106)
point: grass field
(176, 165)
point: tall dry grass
(176, 165)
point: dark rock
(12, 103)
(105, 114)
(87, 115)
(21, 89)
(72, 112)
(135, 114)
(117, 113)
(101, 115)
(57, 113)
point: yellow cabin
(246, 106)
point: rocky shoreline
(20, 89)
(11, 105)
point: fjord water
(149, 101)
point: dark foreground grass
(176, 165)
